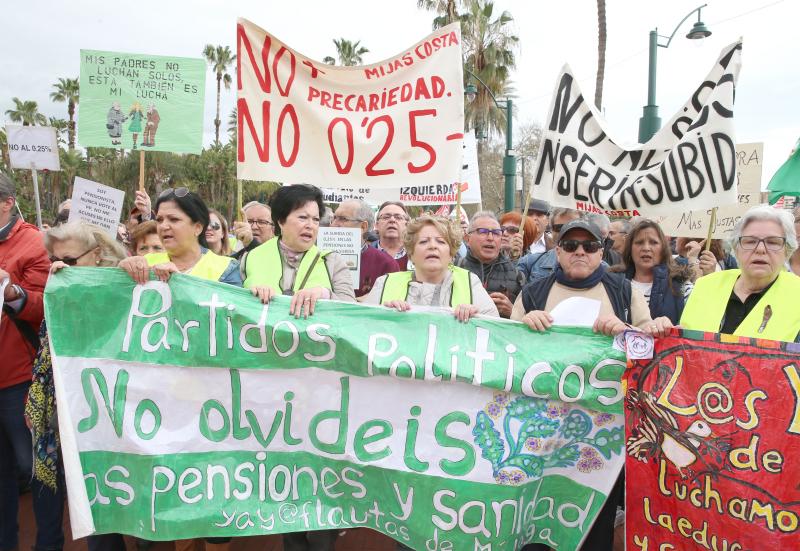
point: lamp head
(699, 29)
(470, 92)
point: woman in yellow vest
(432, 242)
(761, 299)
(290, 263)
(182, 219)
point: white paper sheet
(3, 285)
(578, 311)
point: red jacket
(23, 256)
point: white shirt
(539, 246)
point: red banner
(713, 445)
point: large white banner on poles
(413, 195)
(689, 163)
(395, 123)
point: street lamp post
(509, 161)
(650, 121)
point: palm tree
(67, 90)
(219, 58)
(26, 112)
(445, 11)
(601, 53)
(489, 53)
(233, 125)
(60, 125)
(349, 53)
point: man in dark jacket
(23, 267)
(500, 277)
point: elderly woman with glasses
(70, 244)
(760, 299)
(182, 219)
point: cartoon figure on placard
(151, 126)
(136, 116)
(114, 121)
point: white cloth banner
(395, 123)
(438, 194)
(694, 223)
(33, 146)
(691, 161)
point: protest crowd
(328, 342)
(641, 278)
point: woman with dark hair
(290, 263)
(182, 219)
(648, 264)
(509, 242)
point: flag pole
(711, 224)
(35, 177)
(141, 170)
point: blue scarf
(586, 283)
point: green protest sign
(190, 409)
(142, 101)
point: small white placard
(33, 147)
(346, 242)
(638, 345)
(96, 204)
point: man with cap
(538, 210)
(539, 264)
(581, 273)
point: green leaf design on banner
(576, 425)
(488, 439)
(564, 457)
(609, 441)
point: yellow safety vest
(263, 266)
(211, 266)
(707, 303)
(396, 286)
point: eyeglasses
(260, 222)
(68, 260)
(571, 245)
(215, 226)
(178, 192)
(612, 233)
(513, 230)
(398, 217)
(772, 243)
(486, 231)
(345, 219)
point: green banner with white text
(190, 409)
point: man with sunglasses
(541, 264)
(24, 266)
(581, 273)
(484, 258)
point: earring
(97, 262)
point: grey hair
(764, 212)
(363, 212)
(600, 220)
(90, 236)
(7, 187)
(326, 218)
(482, 214)
(256, 204)
(561, 211)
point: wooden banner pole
(141, 170)
(239, 213)
(711, 225)
(35, 177)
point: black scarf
(586, 283)
(8, 227)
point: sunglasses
(571, 245)
(68, 260)
(177, 192)
(486, 231)
(513, 230)
(215, 226)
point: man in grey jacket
(497, 272)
